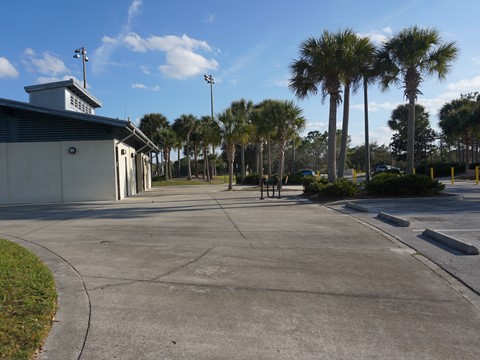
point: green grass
(173, 182)
(28, 301)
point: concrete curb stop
(354, 206)
(451, 242)
(393, 219)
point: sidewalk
(202, 273)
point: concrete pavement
(455, 216)
(202, 273)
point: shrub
(252, 179)
(340, 188)
(295, 179)
(159, 178)
(403, 185)
(322, 188)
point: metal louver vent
(26, 126)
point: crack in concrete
(265, 289)
(230, 219)
(184, 265)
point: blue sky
(150, 56)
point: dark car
(386, 169)
(307, 172)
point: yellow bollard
(452, 171)
(414, 171)
(476, 175)
(354, 176)
(431, 172)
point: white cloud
(183, 63)
(183, 54)
(145, 87)
(378, 37)
(374, 106)
(139, 86)
(46, 63)
(282, 82)
(133, 11)
(164, 43)
(144, 69)
(103, 53)
(182, 60)
(210, 18)
(7, 69)
(466, 85)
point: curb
(459, 245)
(393, 219)
(354, 206)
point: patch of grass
(183, 181)
(28, 302)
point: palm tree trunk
(205, 160)
(260, 161)
(367, 140)
(189, 167)
(179, 166)
(343, 146)
(467, 151)
(242, 160)
(411, 135)
(332, 142)
(269, 150)
(231, 160)
(195, 155)
(165, 157)
(213, 163)
(281, 160)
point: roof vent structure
(63, 95)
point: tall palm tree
(261, 132)
(287, 120)
(459, 119)
(357, 51)
(406, 59)
(370, 75)
(184, 126)
(264, 130)
(169, 140)
(242, 109)
(319, 69)
(232, 132)
(151, 125)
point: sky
(150, 56)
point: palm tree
(459, 119)
(261, 133)
(169, 140)
(406, 59)
(242, 109)
(151, 125)
(287, 120)
(369, 76)
(184, 126)
(357, 52)
(320, 69)
(232, 132)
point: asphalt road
(202, 273)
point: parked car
(307, 172)
(387, 168)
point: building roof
(125, 128)
(70, 85)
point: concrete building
(54, 149)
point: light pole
(210, 80)
(82, 52)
